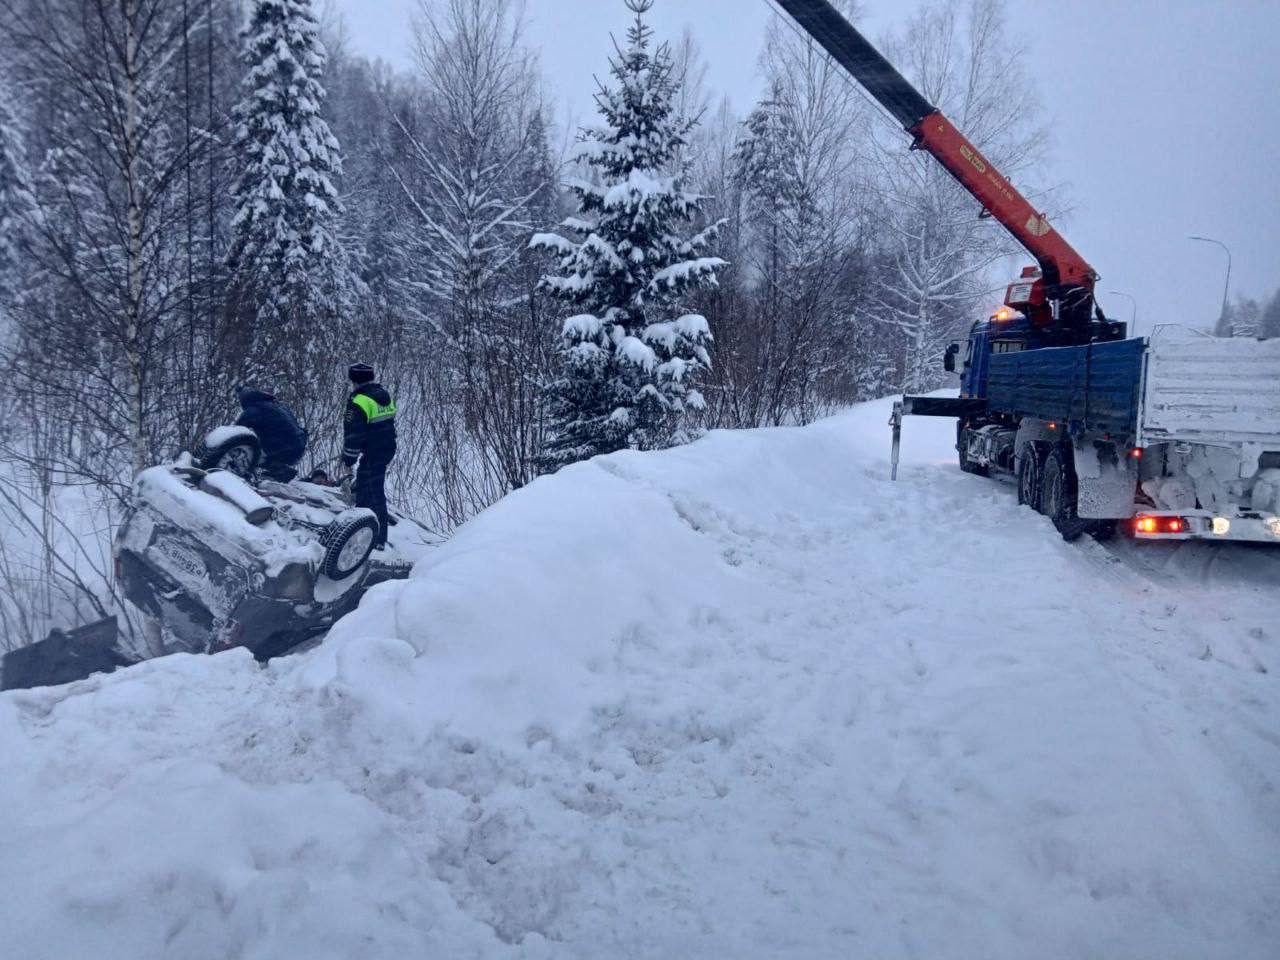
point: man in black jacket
(369, 436)
(283, 439)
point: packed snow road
(746, 698)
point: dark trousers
(370, 490)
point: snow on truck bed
(740, 699)
(1202, 388)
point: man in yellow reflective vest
(369, 436)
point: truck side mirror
(949, 358)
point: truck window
(1008, 346)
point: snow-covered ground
(746, 698)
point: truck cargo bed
(1094, 387)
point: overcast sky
(1165, 117)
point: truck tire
(238, 451)
(348, 541)
(1030, 470)
(1058, 494)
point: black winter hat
(249, 394)
(360, 373)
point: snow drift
(744, 698)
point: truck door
(973, 382)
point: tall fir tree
(766, 166)
(631, 354)
(781, 243)
(287, 265)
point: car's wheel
(231, 448)
(348, 542)
(1029, 472)
(1058, 494)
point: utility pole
(1226, 287)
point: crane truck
(1174, 436)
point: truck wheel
(237, 450)
(348, 542)
(1029, 472)
(1058, 494)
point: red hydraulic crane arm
(1058, 260)
(1064, 270)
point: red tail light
(1146, 524)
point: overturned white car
(219, 561)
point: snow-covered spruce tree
(782, 241)
(287, 266)
(630, 354)
(766, 161)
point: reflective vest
(374, 412)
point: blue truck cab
(1010, 333)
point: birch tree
(469, 156)
(104, 269)
(17, 202)
(941, 249)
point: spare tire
(231, 448)
(348, 541)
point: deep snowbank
(746, 698)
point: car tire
(348, 541)
(238, 451)
(1058, 494)
(1029, 472)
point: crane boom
(1062, 296)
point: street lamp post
(1226, 287)
(1133, 321)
